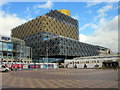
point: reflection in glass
(5, 46)
(10, 47)
(0, 46)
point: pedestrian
(29, 66)
(114, 66)
(85, 66)
(75, 66)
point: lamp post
(31, 54)
(47, 56)
(73, 64)
(2, 55)
(1, 60)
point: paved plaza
(61, 78)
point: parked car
(15, 66)
(3, 68)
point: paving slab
(61, 78)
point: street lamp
(47, 56)
(1, 60)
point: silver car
(3, 68)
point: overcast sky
(98, 21)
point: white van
(3, 68)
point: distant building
(103, 50)
(14, 50)
(54, 37)
(109, 60)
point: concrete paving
(61, 78)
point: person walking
(75, 66)
(114, 66)
(85, 66)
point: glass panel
(10, 47)
(4, 54)
(5, 46)
(9, 55)
(0, 54)
(0, 46)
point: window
(1, 53)
(5, 46)
(10, 47)
(0, 46)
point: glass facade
(54, 35)
(56, 46)
(1, 54)
(14, 50)
(48, 60)
(5, 46)
(10, 46)
(6, 50)
(22, 52)
(0, 46)
(9, 55)
(53, 22)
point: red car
(34, 66)
(15, 66)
